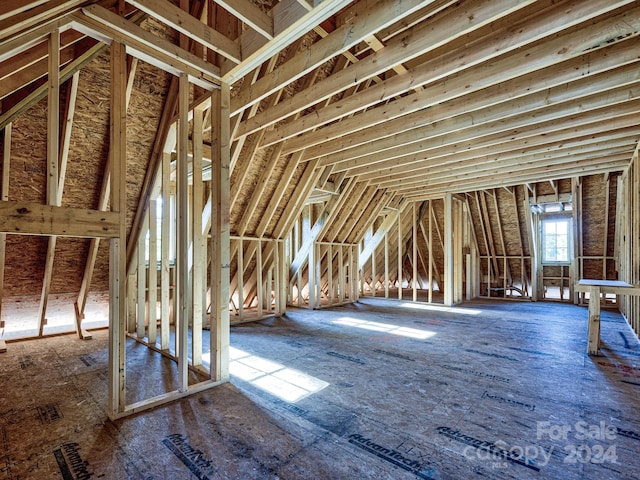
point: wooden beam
(199, 273)
(591, 167)
(53, 120)
(25, 218)
(219, 321)
(152, 281)
(165, 279)
(251, 15)
(448, 251)
(367, 19)
(589, 122)
(423, 38)
(67, 72)
(182, 228)
(105, 190)
(186, 24)
(104, 25)
(164, 141)
(16, 75)
(4, 196)
(289, 24)
(53, 157)
(117, 245)
(24, 22)
(508, 154)
(410, 146)
(519, 74)
(10, 8)
(399, 274)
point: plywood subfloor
(393, 390)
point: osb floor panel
(498, 390)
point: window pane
(555, 241)
(561, 228)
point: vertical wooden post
(53, 120)
(277, 269)
(142, 279)
(259, 278)
(399, 276)
(362, 279)
(197, 240)
(53, 152)
(165, 279)
(240, 277)
(386, 265)
(153, 273)
(330, 273)
(356, 271)
(606, 225)
(594, 320)
(341, 279)
(448, 250)
(4, 196)
(431, 259)
(374, 276)
(318, 275)
(182, 251)
(414, 231)
(284, 278)
(221, 155)
(532, 235)
(117, 246)
(311, 270)
(576, 262)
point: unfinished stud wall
(628, 239)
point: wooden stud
(448, 251)
(606, 225)
(399, 275)
(594, 321)
(182, 252)
(240, 276)
(533, 246)
(431, 258)
(142, 281)
(153, 273)
(220, 250)
(102, 205)
(4, 196)
(199, 264)
(386, 264)
(117, 246)
(259, 278)
(165, 279)
(414, 231)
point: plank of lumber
(289, 24)
(102, 24)
(251, 15)
(21, 23)
(572, 44)
(365, 21)
(610, 61)
(183, 22)
(25, 218)
(486, 136)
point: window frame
(555, 217)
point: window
(555, 240)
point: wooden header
(25, 218)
